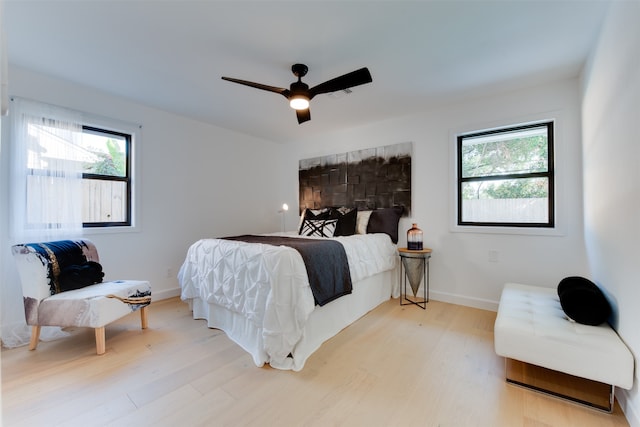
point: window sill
(523, 231)
(89, 231)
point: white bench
(531, 327)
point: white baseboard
(435, 295)
(167, 293)
(629, 411)
(464, 300)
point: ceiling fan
(299, 93)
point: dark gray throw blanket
(325, 260)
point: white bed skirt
(323, 323)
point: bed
(260, 294)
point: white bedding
(260, 295)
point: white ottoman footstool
(531, 327)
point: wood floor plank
(400, 366)
(101, 414)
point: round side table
(414, 269)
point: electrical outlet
(493, 256)
(169, 273)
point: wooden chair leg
(100, 341)
(143, 317)
(35, 337)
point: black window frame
(549, 174)
(126, 179)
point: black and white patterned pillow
(318, 227)
(324, 213)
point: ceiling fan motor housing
(299, 70)
(299, 88)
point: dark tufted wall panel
(367, 179)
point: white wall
(196, 181)
(460, 267)
(611, 157)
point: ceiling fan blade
(303, 115)
(280, 90)
(354, 78)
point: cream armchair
(62, 286)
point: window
(106, 180)
(506, 177)
(102, 159)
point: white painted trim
(458, 299)
(558, 119)
(135, 130)
(627, 407)
(164, 294)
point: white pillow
(362, 220)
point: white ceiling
(171, 54)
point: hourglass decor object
(414, 238)
(415, 270)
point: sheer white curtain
(44, 196)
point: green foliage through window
(509, 164)
(107, 179)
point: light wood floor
(397, 366)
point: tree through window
(506, 178)
(102, 161)
(106, 178)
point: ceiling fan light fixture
(299, 94)
(299, 102)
